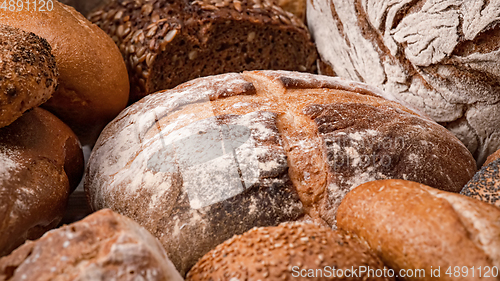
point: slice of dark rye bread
(166, 43)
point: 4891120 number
(27, 5)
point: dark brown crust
(48, 166)
(485, 185)
(166, 43)
(413, 226)
(28, 73)
(103, 246)
(135, 170)
(273, 253)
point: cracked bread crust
(270, 253)
(41, 163)
(275, 135)
(166, 43)
(440, 56)
(414, 226)
(28, 73)
(103, 246)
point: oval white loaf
(441, 56)
(219, 155)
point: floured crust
(413, 226)
(28, 73)
(41, 162)
(440, 56)
(279, 253)
(103, 246)
(281, 131)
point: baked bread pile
(219, 155)
(93, 82)
(273, 173)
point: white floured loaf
(441, 56)
(219, 155)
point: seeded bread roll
(103, 246)
(219, 155)
(286, 252)
(485, 185)
(442, 57)
(166, 43)
(413, 226)
(41, 162)
(28, 73)
(93, 81)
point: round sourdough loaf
(289, 251)
(485, 185)
(219, 155)
(41, 162)
(103, 246)
(28, 73)
(413, 226)
(440, 56)
(166, 43)
(93, 81)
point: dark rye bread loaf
(166, 43)
(219, 155)
(28, 73)
(413, 226)
(103, 246)
(290, 251)
(442, 57)
(41, 162)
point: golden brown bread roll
(28, 73)
(93, 81)
(103, 246)
(41, 162)
(290, 251)
(413, 226)
(494, 156)
(219, 155)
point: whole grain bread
(103, 246)
(290, 251)
(219, 155)
(440, 56)
(28, 73)
(41, 162)
(166, 43)
(93, 81)
(415, 227)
